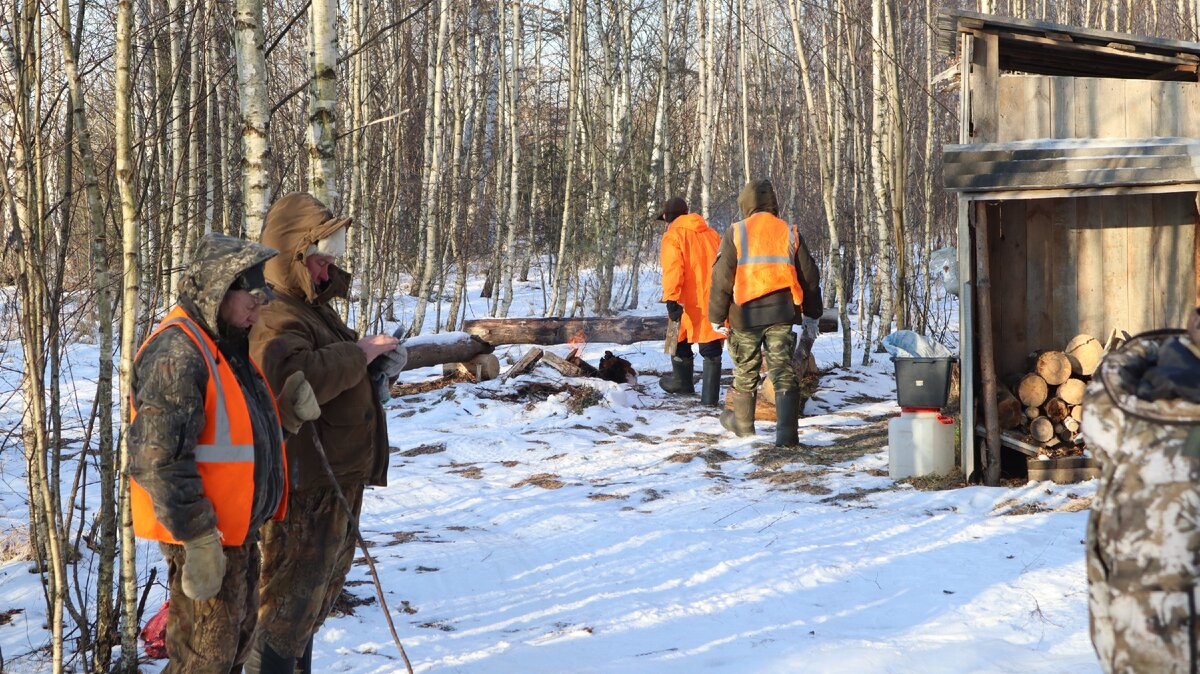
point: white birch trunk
(256, 111)
(322, 104)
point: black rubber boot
(304, 662)
(740, 419)
(787, 415)
(264, 660)
(681, 378)
(710, 382)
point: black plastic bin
(923, 382)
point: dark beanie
(674, 208)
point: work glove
(385, 369)
(720, 328)
(203, 565)
(297, 403)
(674, 310)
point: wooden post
(987, 363)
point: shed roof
(1046, 48)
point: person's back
(763, 280)
(686, 254)
(1144, 529)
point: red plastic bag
(154, 634)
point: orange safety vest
(224, 451)
(765, 248)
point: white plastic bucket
(920, 442)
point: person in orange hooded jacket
(689, 247)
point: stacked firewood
(1045, 402)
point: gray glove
(384, 370)
(203, 565)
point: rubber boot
(264, 660)
(681, 378)
(787, 415)
(710, 382)
(740, 419)
(304, 662)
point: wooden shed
(1077, 172)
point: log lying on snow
(447, 347)
(614, 330)
(551, 331)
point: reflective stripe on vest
(765, 263)
(222, 449)
(224, 453)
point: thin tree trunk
(322, 104)
(256, 119)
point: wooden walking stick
(362, 545)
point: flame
(578, 340)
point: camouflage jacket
(300, 331)
(168, 388)
(1144, 529)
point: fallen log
(447, 347)
(552, 331)
(614, 330)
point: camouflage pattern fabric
(1143, 538)
(212, 636)
(748, 348)
(305, 561)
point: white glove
(720, 327)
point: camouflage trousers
(305, 559)
(1144, 632)
(747, 348)
(212, 636)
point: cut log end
(1054, 367)
(1071, 391)
(1084, 353)
(1033, 390)
(1042, 429)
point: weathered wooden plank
(1117, 49)
(1071, 178)
(1075, 192)
(1075, 32)
(1049, 148)
(985, 76)
(1172, 161)
(1115, 217)
(1061, 275)
(1062, 107)
(1009, 285)
(1089, 273)
(1140, 233)
(1189, 109)
(1166, 101)
(1040, 254)
(1139, 111)
(1024, 107)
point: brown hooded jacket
(301, 331)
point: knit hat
(674, 208)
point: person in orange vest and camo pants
(688, 249)
(207, 462)
(764, 281)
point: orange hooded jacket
(688, 249)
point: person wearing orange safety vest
(763, 281)
(207, 465)
(688, 249)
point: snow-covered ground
(551, 525)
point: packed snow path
(605, 528)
